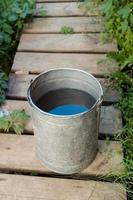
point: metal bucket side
(65, 144)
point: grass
(117, 19)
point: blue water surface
(68, 109)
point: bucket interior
(65, 92)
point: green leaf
(18, 129)
(105, 7)
(17, 10)
(124, 12)
(19, 24)
(7, 28)
(12, 17)
(25, 8)
(3, 86)
(3, 77)
(1, 37)
(4, 124)
(19, 115)
(7, 38)
(128, 61)
(2, 97)
(131, 20)
(23, 15)
(124, 26)
(4, 14)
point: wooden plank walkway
(42, 47)
(53, 25)
(15, 187)
(64, 43)
(108, 160)
(35, 63)
(67, 9)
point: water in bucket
(66, 102)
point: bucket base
(67, 170)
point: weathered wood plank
(64, 43)
(20, 187)
(18, 85)
(18, 153)
(63, 9)
(54, 25)
(38, 62)
(110, 120)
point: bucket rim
(96, 104)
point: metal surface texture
(65, 144)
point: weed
(15, 121)
(13, 15)
(107, 141)
(3, 86)
(118, 24)
(42, 11)
(67, 30)
(34, 173)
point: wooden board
(62, 9)
(18, 85)
(36, 63)
(18, 187)
(64, 43)
(18, 153)
(54, 25)
(110, 120)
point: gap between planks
(20, 187)
(110, 119)
(85, 43)
(18, 153)
(19, 83)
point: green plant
(67, 30)
(117, 19)
(13, 14)
(15, 121)
(42, 11)
(3, 86)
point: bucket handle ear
(99, 103)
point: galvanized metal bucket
(66, 144)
